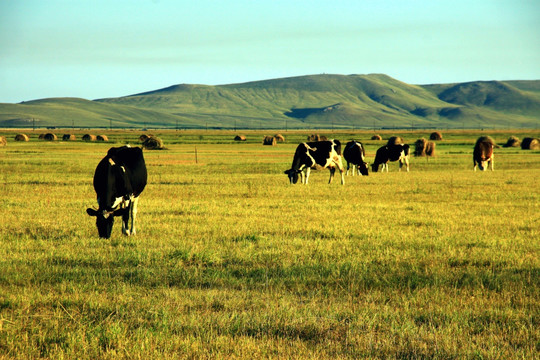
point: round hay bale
(21, 137)
(143, 137)
(102, 138)
(279, 138)
(50, 137)
(435, 136)
(420, 147)
(41, 136)
(395, 140)
(153, 143)
(69, 137)
(423, 147)
(430, 148)
(316, 137)
(269, 140)
(239, 138)
(3, 141)
(530, 144)
(513, 141)
(376, 137)
(89, 137)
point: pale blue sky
(109, 48)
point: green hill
(316, 101)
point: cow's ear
(287, 171)
(92, 212)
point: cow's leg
(308, 171)
(126, 220)
(129, 217)
(358, 170)
(133, 215)
(491, 164)
(332, 171)
(348, 165)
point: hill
(315, 101)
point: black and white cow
(308, 155)
(119, 179)
(355, 155)
(399, 152)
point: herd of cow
(121, 176)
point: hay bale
(3, 141)
(239, 138)
(269, 140)
(89, 137)
(512, 142)
(423, 147)
(376, 137)
(41, 136)
(430, 148)
(530, 144)
(279, 138)
(420, 147)
(395, 140)
(143, 137)
(69, 137)
(435, 136)
(50, 137)
(316, 137)
(153, 143)
(102, 138)
(21, 137)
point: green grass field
(232, 262)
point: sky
(110, 48)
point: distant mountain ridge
(313, 101)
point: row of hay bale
(273, 140)
(435, 136)
(65, 137)
(267, 140)
(527, 143)
(91, 137)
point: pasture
(230, 261)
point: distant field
(230, 261)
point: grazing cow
(388, 153)
(119, 179)
(483, 153)
(355, 154)
(326, 154)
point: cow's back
(354, 152)
(483, 149)
(132, 160)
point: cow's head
(364, 168)
(483, 164)
(293, 175)
(104, 221)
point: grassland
(231, 261)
